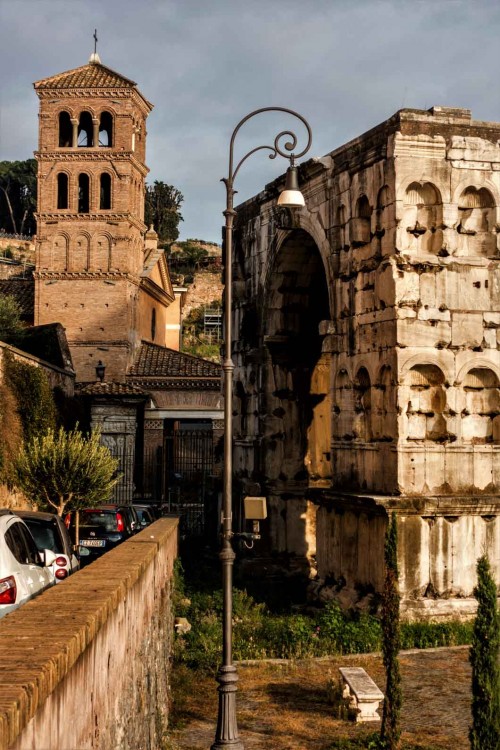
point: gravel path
(283, 705)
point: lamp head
(291, 197)
(100, 370)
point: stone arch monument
(367, 357)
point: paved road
(285, 707)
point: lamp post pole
(227, 728)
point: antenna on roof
(94, 57)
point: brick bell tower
(90, 238)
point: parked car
(49, 532)
(101, 529)
(24, 571)
(135, 522)
(146, 515)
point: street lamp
(100, 369)
(227, 729)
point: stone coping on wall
(42, 640)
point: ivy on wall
(10, 431)
(35, 402)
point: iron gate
(190, 487)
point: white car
(49, 532)
(24, 571)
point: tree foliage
(484, 656)
(10, 318)
(162, 210)
(18, 195)
(391, 729)
(63, 471)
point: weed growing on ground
(259, 633)
(372, 742)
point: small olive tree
(484, 657)
(62, 471)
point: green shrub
(259, 633)
(371, 742)
(435, 635)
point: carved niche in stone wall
(423, 218)
(362, 405)
(426, 404)
(360, 225)
(476, 223)
(481, 407)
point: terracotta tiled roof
(110, 388)
(157, 361)
(23, 291)
(92, 75)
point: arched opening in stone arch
(426, 404)
(362, 406)
(480, 416)
(361, 222)
(477, 223)
(423, 218)
(298, 429)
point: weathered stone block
(467, 329)
(426, 333)
(428, 289)
(433, 313)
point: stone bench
(361, 693)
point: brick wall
(86, 664)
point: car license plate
(92, 542)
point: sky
(344, 65)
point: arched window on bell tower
(62, 190)
(85, 131)
(106, 129)
(65, 130)
(105, 191)
(83, 193)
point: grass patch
(373, 742)
(259, 633)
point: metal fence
(190, 487)
(179, 476)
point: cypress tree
(391, 729)
(484, 733)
